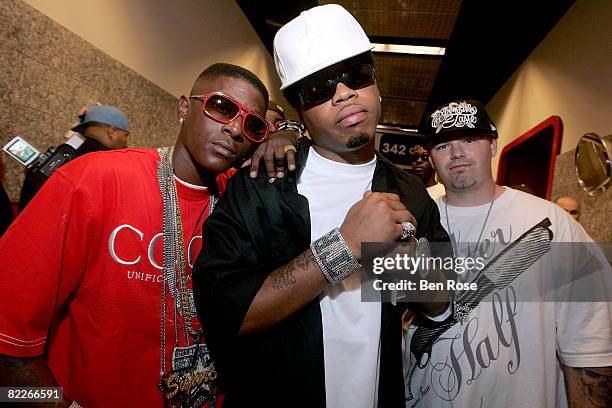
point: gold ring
(289, 147)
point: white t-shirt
(351, 328)
(436, 191)
(505, 353)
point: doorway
(530, 159)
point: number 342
(394, 148)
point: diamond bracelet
(290, 125)
(334, 257)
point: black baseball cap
(457, 119)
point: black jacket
(256, 228)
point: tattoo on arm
(588, 387)
(283, 277)
(305, 260)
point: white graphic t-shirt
(504, 353)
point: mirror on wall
(593, 163)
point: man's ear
(493, 147)
(183, 107)
(112, 134)
(431, 160)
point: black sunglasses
(321, 86)
(423, 156)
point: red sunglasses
(223, 109)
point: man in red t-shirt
(95, 289)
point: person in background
(279, 283)
(506, 346)
(274, 114)
(6, 208)
(103, 127)
(419, 157)
(95, 289)
(570, 205)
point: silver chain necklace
(484, 224)
(462, 310)
(174, 277)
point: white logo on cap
(458, 115)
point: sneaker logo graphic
(457, 115)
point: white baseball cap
(317, 39)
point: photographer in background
(103, 127)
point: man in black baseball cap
(462, 116)
(465, 120)
(501, 350)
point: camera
(51, 160)
(40, 166)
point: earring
(181, 120)
(379, 98)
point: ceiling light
(409, 49)
(395, 129)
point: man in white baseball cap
(279, 287)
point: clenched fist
(377, 217)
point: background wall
(139, 55)
(167, 42)
(47, 73)
(595, 210)
(569, 74)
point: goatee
(359, 140)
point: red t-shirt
(81, 275)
